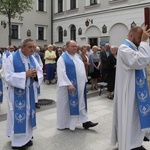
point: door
(93, 41)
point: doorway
(93, 41)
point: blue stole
(20, 115)
(142, 96)
(7, 53)
(1, 84)
(71, 73)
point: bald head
(71, 47)
(135, 35)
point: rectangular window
(60, 5)
(41, 5)
(72, 4)
(40, 33)
(14, 32)
(93, 2)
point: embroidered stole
(20, 97)
(71, 73)
(1, 84)
(142, 96)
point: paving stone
(47, 137)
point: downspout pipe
(52, 22)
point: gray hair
(37, 48)
(25, 41)
(113, 46)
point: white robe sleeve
(63, 79)
(135, 59)
(19, 79)
(14, 79)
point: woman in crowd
(85, 59)
(94, 67)
(111, 62)
(50, 63)
(59, 52)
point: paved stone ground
(47, 137)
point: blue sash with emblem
(20, 115)
(1, 84)
(142, 95)
(71, 73)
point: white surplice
(35, 86)
(64, 120)
(126, 125)
(19, 80)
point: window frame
(60, 6)
(73, 4)
(17, 32)
(60, 34)
(73, 32)
(93, 2)
(44, 32)
(44, 6)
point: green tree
(14, 9)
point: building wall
(30, 22)
(117, 16)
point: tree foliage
(14, 8)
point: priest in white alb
(131, 112)
(71, 91)
(21, 72)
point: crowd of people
(122, 68)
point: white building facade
(106, 20)
(36, 25)
(57, 21)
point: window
(41, 5)
(72, 4)
(116, 1)
(93, 2)
(60, 34)
(15, 32)
(73, 33)
(40, 33)
(60, 5)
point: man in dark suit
(104, 55)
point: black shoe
(37, 106)
(17, 148)
(30, 143)
(139, 148)
(145, 139)
(89, 124)
(110, 97)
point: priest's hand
(145, 34)
(31, 73)
(71, 88)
